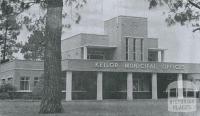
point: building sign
(129, 66)
(146, 66)
(182, 105)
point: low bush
(7, 88)
(26, 96)
(4, 95)
(7, 91)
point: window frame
(96, 53)
(150, 58)
(35, 81)
(25, 82)
(127, 46)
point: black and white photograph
(99, 58)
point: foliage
(51, 102)
(7, 91)
(180, 11)
(34, 48)
(9, 30)
(35, 23)
(4, 95)
(26, 96)
(7, 88)
(12, 17)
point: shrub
(7, 88)
(26, 96)
(7, 91)
(4, 95)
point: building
(121, 64)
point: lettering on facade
(106, 65)
(140, 66)
(172, 66)
(150, 66)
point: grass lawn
(94, 108)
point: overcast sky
(182, 44)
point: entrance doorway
(84, 85)
(164, 79)
(114, 85)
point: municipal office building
(123, 63)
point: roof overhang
(100, 46)
(156, 49)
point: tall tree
(9, 31)
(51, 100)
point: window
(127, 49)
(153, 56)
(141, 49)
(135, 85)
(24, 83)
(134, 48)
(36, 80)
(173, 92)
(96, 54)
(138, 85)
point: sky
(181, 43)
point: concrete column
(180, 85)
(162, 56)
(129, 86)
(99, 85)
(68, 96)
(84, 52)
(154, 86)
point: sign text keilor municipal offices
(141, 65)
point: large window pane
(153, 56)
(24, 83)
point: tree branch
(197, 29)
(194, 4)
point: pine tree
(34, 48)
(9, 31)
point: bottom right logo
(182, 96)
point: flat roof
(157, 49)
(133, 37)
(83, 34)
(124, 16)
(101, 46)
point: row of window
(96, 55)
(134, 49)
(25, 82)
(152, 55)
(186, 93)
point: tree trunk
(5, 41)
(51, 98)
